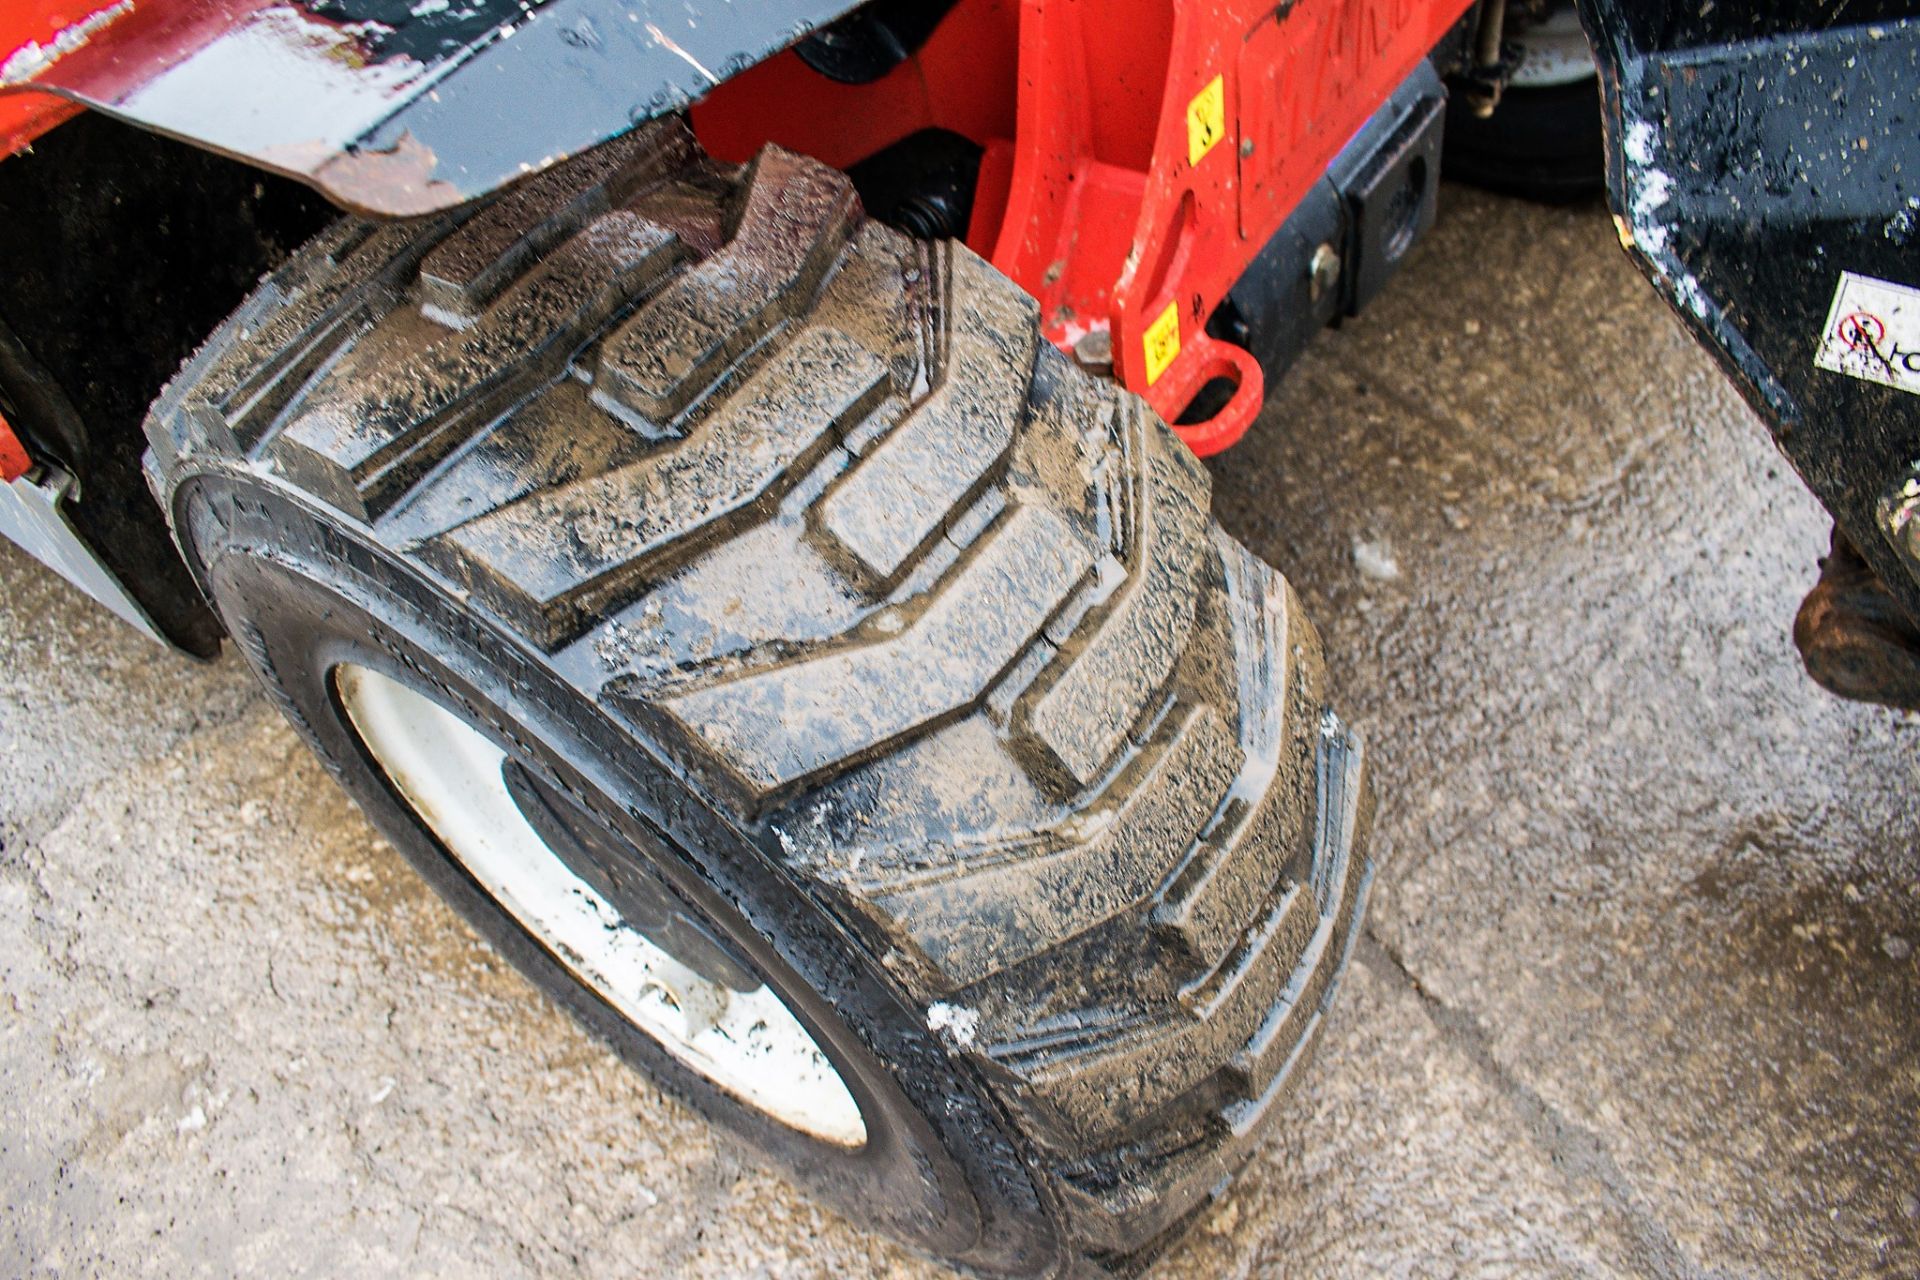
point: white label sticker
(1873, 332)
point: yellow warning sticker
(1206, 119)
(1162, 342)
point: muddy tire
(899, 659)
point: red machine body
(27, 26)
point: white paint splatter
(1652, 189)
(1900, 226)
(958, 1022)
(1639, 144)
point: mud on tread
(939, 620)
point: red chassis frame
(1138, 153)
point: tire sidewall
(1544, 144)
(300, 593)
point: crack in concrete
(1571, 1147)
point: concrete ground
(1638, 996)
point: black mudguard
(1764, 169)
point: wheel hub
(598, 909)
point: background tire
(902, 654)
(1543, 141)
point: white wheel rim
(749, 1045)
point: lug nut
(1323, 272)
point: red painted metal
(962, 79)
(1147, 244)
(14, 461)
(36, 23)
(1104, 191)
(121, 44)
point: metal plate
(400, 107)
(1759, 158)
(31, 515)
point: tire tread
(942, 619)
